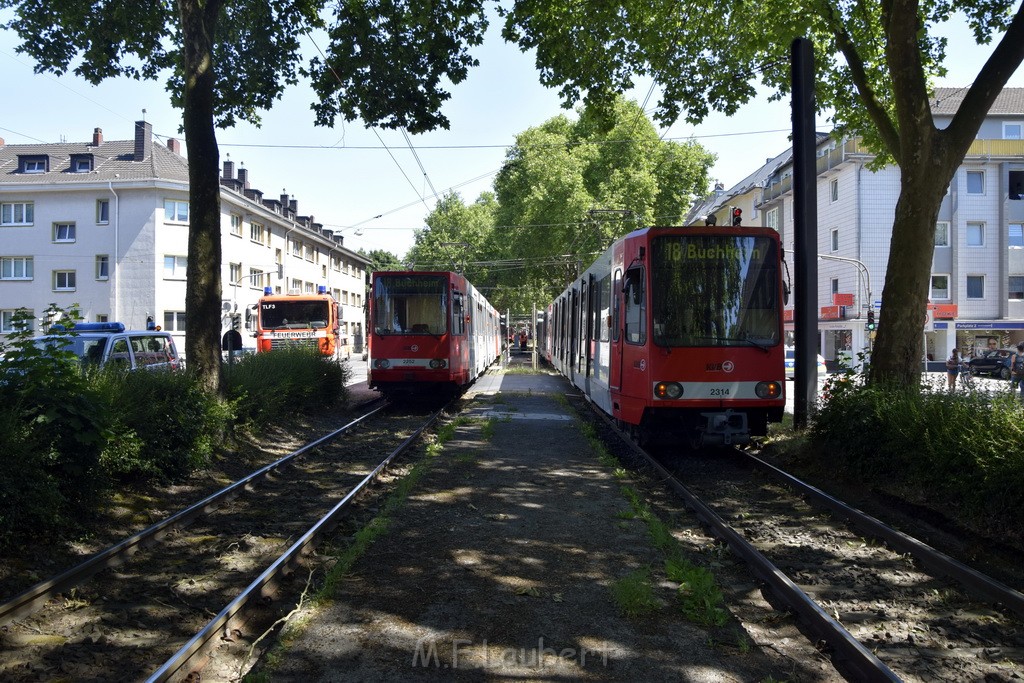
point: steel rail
(32, 598)
(851, 651)
(981, 585)
(197, 646)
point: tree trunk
(897, 353)
(203, 287)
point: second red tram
(677, 333)
(429, 331)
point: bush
(268, 386)
(961, 453)
(163, 425)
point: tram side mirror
(785, 293)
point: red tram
(429, 331)
(676, 332)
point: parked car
(994, 362)
(111, 344)
(791, 363)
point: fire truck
(282, 320)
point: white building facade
(104, 226)
(977, 282)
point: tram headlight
(768, 389)
(382, 363)
(438, 363)
(668, 390)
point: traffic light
(737, 216)
(236, 321)
(871, 320)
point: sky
(369, 183)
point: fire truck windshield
(294, 315)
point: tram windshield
(715, 290)
(410, 304)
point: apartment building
(977, 282)
(103, 225)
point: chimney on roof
(284, 204)
(293, 206)
(229, 169)
(174, 145)
(243, 177)
(143, 140)
(97, 137)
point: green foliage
(54, 430)
(565, 192)
(267, 386)
(163, 425)
(381, 259)
(698, 594)
(963, 453)
(634, 594)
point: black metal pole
(805, 241)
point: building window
(335, 264)
(296, 248)
(34, 165)
(16, 268)
(81, 164)
(175, 211)
(295, 285)
(175, 267)
(63, 280)
(1016, 238)
(771, 218)
(942, 234)
(278, 258)
(236, 225)
(1012, 131)
(309, 253)
(9, 322)
(834, 190)
(102, 267)
(235, 274)
(323, 272)
(975, 182)
(834, 239)
(102, 211)
(975, 286)
(835, 286)
(940, 287)
(310, 288)
(17, 213)
(256, 276)
(257, 233)
(63, 232)
(975, 234)
(174, 321)
(1016, 288)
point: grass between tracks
(698, 595)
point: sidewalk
(501, 563)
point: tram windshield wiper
(743, 340)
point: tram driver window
(636, 307)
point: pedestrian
(952, 368)
(1017, 369)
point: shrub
(962, 453)
(163, 424)
(268, 386)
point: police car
(791, 363)
(110, 344)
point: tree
(229, 60)
(381, 259)
(709, 57)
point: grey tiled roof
(113, 159)
(947, 101)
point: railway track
(153, 614)
(882, 604)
